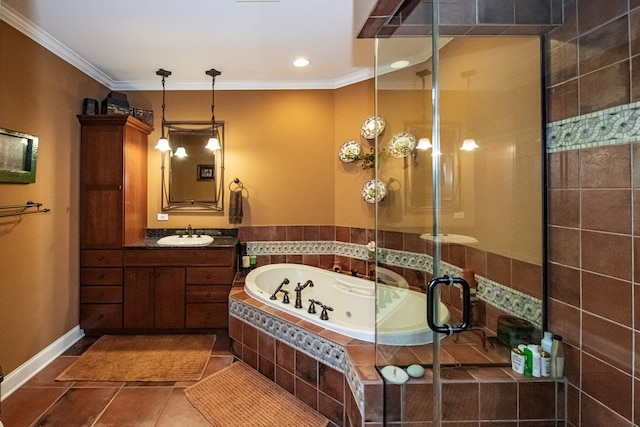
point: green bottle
(528, 363)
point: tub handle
(466, 305)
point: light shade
(163, 145)
(423, 144)
(213, 144)
(180, 152)
(469, 145)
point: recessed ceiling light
(301, 62)
(399, 64)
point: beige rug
(142, 358)
(239, 396)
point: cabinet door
(170, 289)
(138, 297)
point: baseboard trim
(31, 367)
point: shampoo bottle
(528, 363)
(546, 342)
(557, 357)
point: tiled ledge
(325, 346)
(356, 360)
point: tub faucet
(324, 315)
(189, 231)
(298, 290)
(312, 306)
(274, 295)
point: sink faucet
(274, 295)
(189, 231)
(298, 291)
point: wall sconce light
(213, 143)
(163, 142)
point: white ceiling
(122, 43)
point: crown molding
(38, 35)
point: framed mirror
(192, 175)
(18, 157)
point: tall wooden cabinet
(113, 211)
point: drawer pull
(209, 276)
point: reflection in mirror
(194, 176)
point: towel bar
(23, 209)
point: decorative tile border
(617, 125)
(500, 296)
(321, 349)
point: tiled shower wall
(593, 77)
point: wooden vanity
(155, 289)
(127, 286)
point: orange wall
(40, 94)
(283, 145)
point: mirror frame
(194, 205)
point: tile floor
(42, 401)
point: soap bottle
(547, 340)
(557, 357)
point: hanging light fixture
(213, 143)
(424, 143)
(468, 144)
(180, 152)
(163, 142)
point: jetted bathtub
(401, 313)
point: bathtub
(401, 312)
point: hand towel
(235, 207)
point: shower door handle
(466, 305)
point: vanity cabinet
(177, 288)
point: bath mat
(239, 396)
(142, 358)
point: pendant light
(424, 143)
(213, 143)
(163, 142)
(468, 144)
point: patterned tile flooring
(42, 401)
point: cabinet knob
(101, 276)
(209, 276)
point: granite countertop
(152, 243)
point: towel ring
(238, 183)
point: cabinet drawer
(208, 293)
(104, 294)
(214, 315)
(101, 316)
(100, 276)
(210, 275)
(179, 257)
(101, 258)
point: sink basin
(176, 240)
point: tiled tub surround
(494, 273)
(336, 375)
